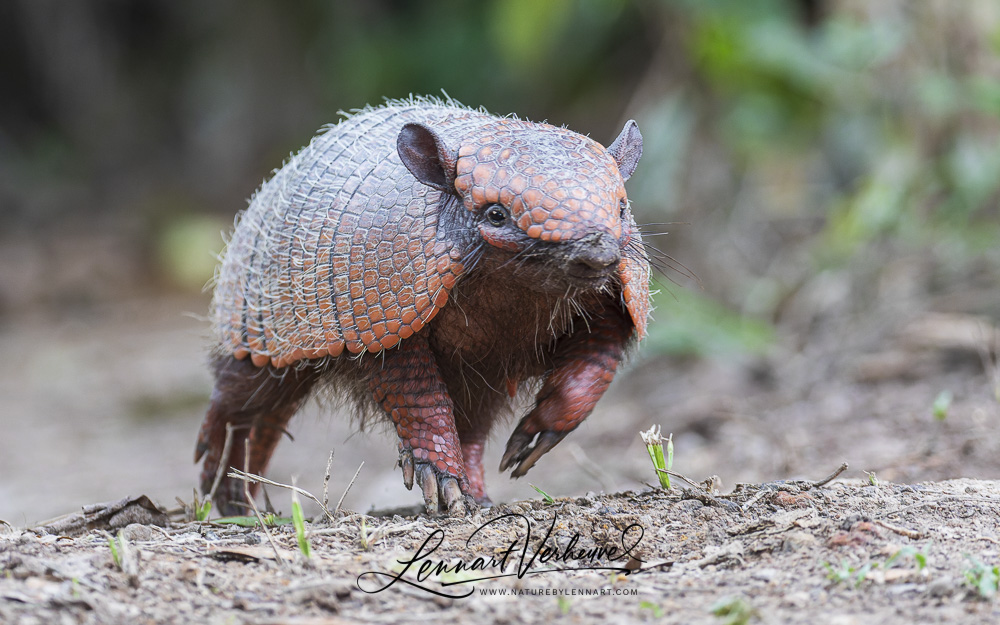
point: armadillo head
(546, 191)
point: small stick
(252, 477)
(830, 478)
(161, 530)
(326, 482)
(681, 477)
(346, 490)
(760, 494)
(915, 535)
(223, 462)
(246, 493)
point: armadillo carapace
(429, 261)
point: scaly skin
(342, 265)
(409, 388)
(585, 365)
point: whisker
(655, 234)
(664, 223)
(473, 256)
(526, 252)
(663, 263)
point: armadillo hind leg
(258, 402)
(477, 407)
(409, 387)
(472, 453)
(585, 364)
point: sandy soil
(785, 552)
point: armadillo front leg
(585, 364)
(408, 385)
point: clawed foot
(442, 491)
(525, 447)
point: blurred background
(829, 170)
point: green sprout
(202, 510)
(918, 556)
(548, 498)
(649, 605)
(363, 535)
(873, 479)
(733, 610)
(857, 575)
(116, 555)
(941, 405)
(847, 573)
(124, 557)
(654, 446)
(983, 578)
(563, 604)
(298, 521)
(368, 537)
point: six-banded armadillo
(428, 261)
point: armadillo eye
(623, 204)
(496, 215)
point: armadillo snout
(593, 257)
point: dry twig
(902, 531)
(757, 497)
(830, 477)
(326, 482)
(260, 518)
(346, 490)
(700, 485)
(253, 477)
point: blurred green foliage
(189, 247)
(875, 127)
(865, 88)
(690, 324)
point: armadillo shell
(340, 249)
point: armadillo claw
(522, 452)
(406, 462)
(452, 497)
(428, 482)
(442, 492)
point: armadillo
(431, 263)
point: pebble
(942, 587)
(136, 532)
(764, 575)
(796, 599)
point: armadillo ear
(424, 153)
(627, 149)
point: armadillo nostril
(598, 261)
(596, 252)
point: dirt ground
(105, 403)
(845, 552)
